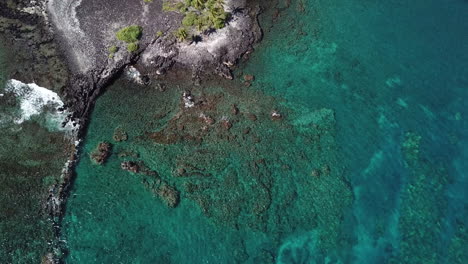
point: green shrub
(181, 34)
(167, 7)
(190, 19)
(132, 47)
(148, 1)
(129, 34)
(199, 14)
(113, 49)
(159, 34)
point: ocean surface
(348, 144)
(33, 152)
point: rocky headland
(86, 33)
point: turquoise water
(366, 165)
(387, 69)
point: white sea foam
(134, 75)
(33, 100)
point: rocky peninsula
(86, 32)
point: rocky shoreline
(76, 44)
(88, 30)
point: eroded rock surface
(86, 30)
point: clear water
(367, 165)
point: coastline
(328, 145)
(85, 84)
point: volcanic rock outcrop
(86, 30)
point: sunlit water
(367, 165)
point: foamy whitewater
(34, 100)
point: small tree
(181, 34)
(129, 34)
(132, 47)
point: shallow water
(366, 165)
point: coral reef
(101, 153)
(422, 206)
(120, 135)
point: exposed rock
(133, 74)
(188, 100)
(101, 153)
(86, 29)
(130, 166)
(275, 115)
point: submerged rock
(249, 78)
(316, 173)
(162, 138)
(206, 119)
(128, 153)
(234, 109)
(170, 195)
(120, 135)
(251, 117)
(101, 153)
(130, 166)
(226, 124)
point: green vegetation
(132, 47)
(148, 1)
(181, 34)
(112, 50)
(129, 34)
(159, 34)
(199, 15)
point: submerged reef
(423, 205)
(216, 150)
